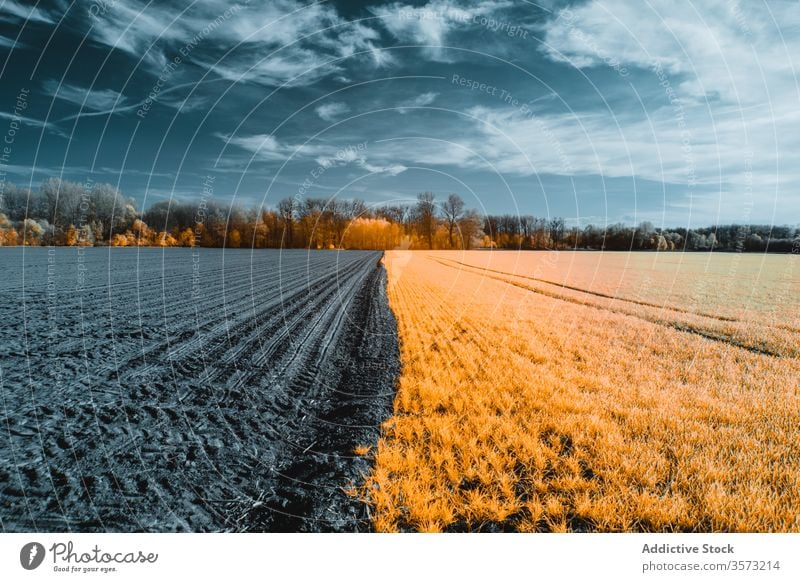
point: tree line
(528, 232)
(63, 213)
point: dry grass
(527, 406)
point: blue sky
(681, 113)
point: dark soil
(162, 396)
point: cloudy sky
(681, 113)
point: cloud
(34, 123)
(299, 67)
(12, 11)
(380, 57)
(718, 48)
(265, 147)
(330, 111)
(346, 38)
(165, 97)
(276, 23)
(422, 100)
(423, 151)
(431, 24)
(654, 147)
(185, 104)
(284, 41)
(718, 80)
(11, 43)
(136, 28)
(106, 100)
(392, 169)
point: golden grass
(527, 406)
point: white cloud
(11, 10)
(391, 169)
(165, 97)
(185, 104)
(422, 100)
(265, 147)
(277, 23)
(11, 43)
(94, 99)
(299, 67)
(722, 46)
(34, 123)
(380, 57)
(269, 43)
(132, 27)
(347, 38)
(429, 25)
(424, 152)
(722, 106)
(330, 111)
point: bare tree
(557, 228)
(425, 211)
(397, 213)
(470, 228)
(286, 208)
(453, 209)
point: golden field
(578, 391)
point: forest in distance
(64, 213)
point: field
(210, 390)
(201, 390)
(557, 391)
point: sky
(675, 112)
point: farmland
(233, 390)
(592, 392)
(190, 389)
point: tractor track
(150, 402)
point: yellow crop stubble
(524, 411)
